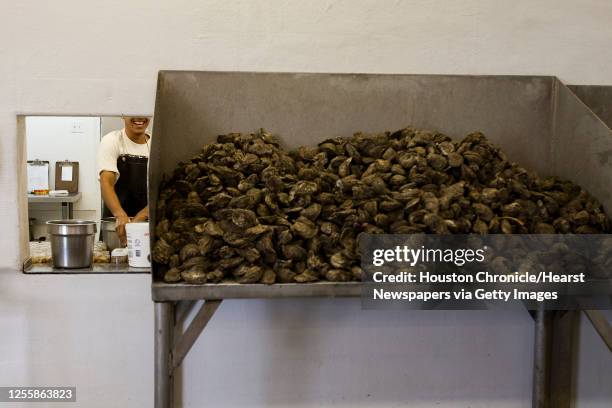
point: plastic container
(119, 256)
(138, 244)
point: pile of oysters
(246, 210)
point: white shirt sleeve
(108, 153)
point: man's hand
(120, 222)
(142, 216)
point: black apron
(131, 188)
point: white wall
(57, 59)
(110, 123)
(59, 138)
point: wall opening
(59, 180)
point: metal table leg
(554, 362)
(541, 359)
(564, 356)
(67, 211)
(172, 343)
(164, 327)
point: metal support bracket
(601, 325)
(183, 342)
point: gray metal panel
(582, 147)
(164, 292)
(192, 108)
(598, 98)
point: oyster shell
(246, 208)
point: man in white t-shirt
(122, 166)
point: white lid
(58, 192)
(119, 252)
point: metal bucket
(72, 243)
(109, 233)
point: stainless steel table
(536, 120)
(555, 334)
(66, 201)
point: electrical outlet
(76, 127)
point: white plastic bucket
(138, 244)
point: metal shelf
(67, 202)
(96, 268)
(43, 199)
(169, 292)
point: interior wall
(96, 331)
(109, 124)
(59, 138)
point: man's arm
(107, 186)
(143, 215)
